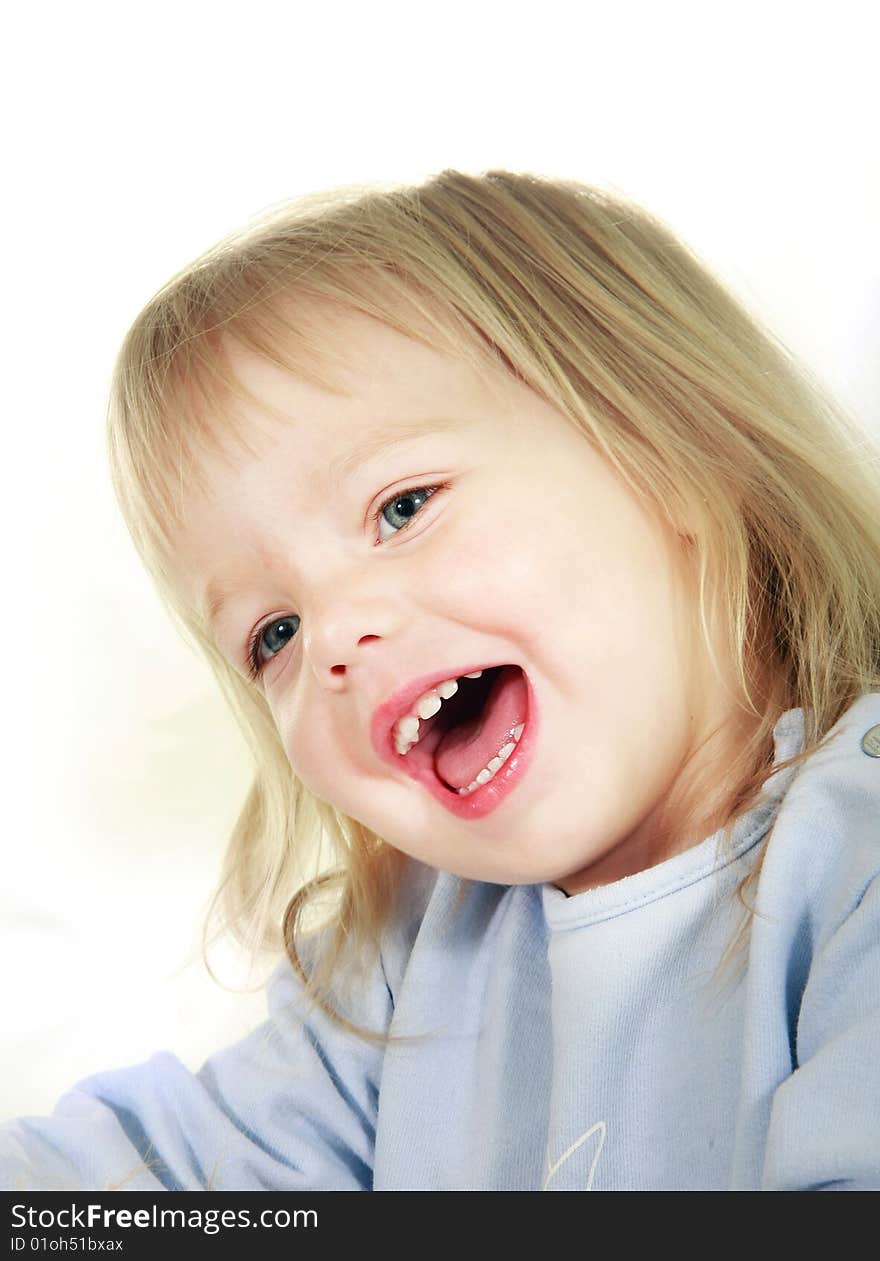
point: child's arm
(292, 1106)
(825, 1120)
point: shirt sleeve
(824, 1129)
(293, 1106)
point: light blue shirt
(571, 1043)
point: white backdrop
(135, 136)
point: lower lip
(488, 797)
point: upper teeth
(406, 729)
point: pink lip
(484, 799)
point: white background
(135, 136)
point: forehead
(345, 368)
(346, 387)
(304, 417)
(367, 388)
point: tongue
(465, 750)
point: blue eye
(404, 505)
(282, 629)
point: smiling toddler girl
(545, 587)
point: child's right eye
(282, 628)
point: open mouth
(474, 733)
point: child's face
(533, 553)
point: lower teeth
(489, 772)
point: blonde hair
(595, 305)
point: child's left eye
(399, 506)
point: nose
(339, 629)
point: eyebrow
(375, 441)
(373, 444)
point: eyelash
(255, 666)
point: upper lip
(403, 700)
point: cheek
(483, 577)
(307, 744)
(511, 579)
(314, 761)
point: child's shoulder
(824, 850)
(437, 915)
